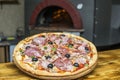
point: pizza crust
(47, 75)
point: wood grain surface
(108, 68)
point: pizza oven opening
(54, 17)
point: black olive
(87, 49)
(67, 55)
(34, 59)
(63, 35)
(48, 57)
(50, 65)
(50, 42)
(76, 64)
(27, 47)
(43, 36)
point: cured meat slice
(52, 37)
(39, 40)
(58, 41)
(59, 63)
(43, 64)
(64, 40)
(63, 50)
(31, 52)
(63, 64)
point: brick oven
(50, 12)
(93, 19)
(52, 15)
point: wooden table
(108, 68)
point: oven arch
(74, 14)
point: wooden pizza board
(75, 76)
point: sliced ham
(52, 37)
(76, 45)
(81, 47)
(33, 52)
(43, 63)
(64, 40)
(39, 40)
(63, 64)
(61, 40)
(31, 45)
(62, 50)
(59, 63)
(58, 41)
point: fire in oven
(54, 16)
(93, 19)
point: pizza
(55, 55)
